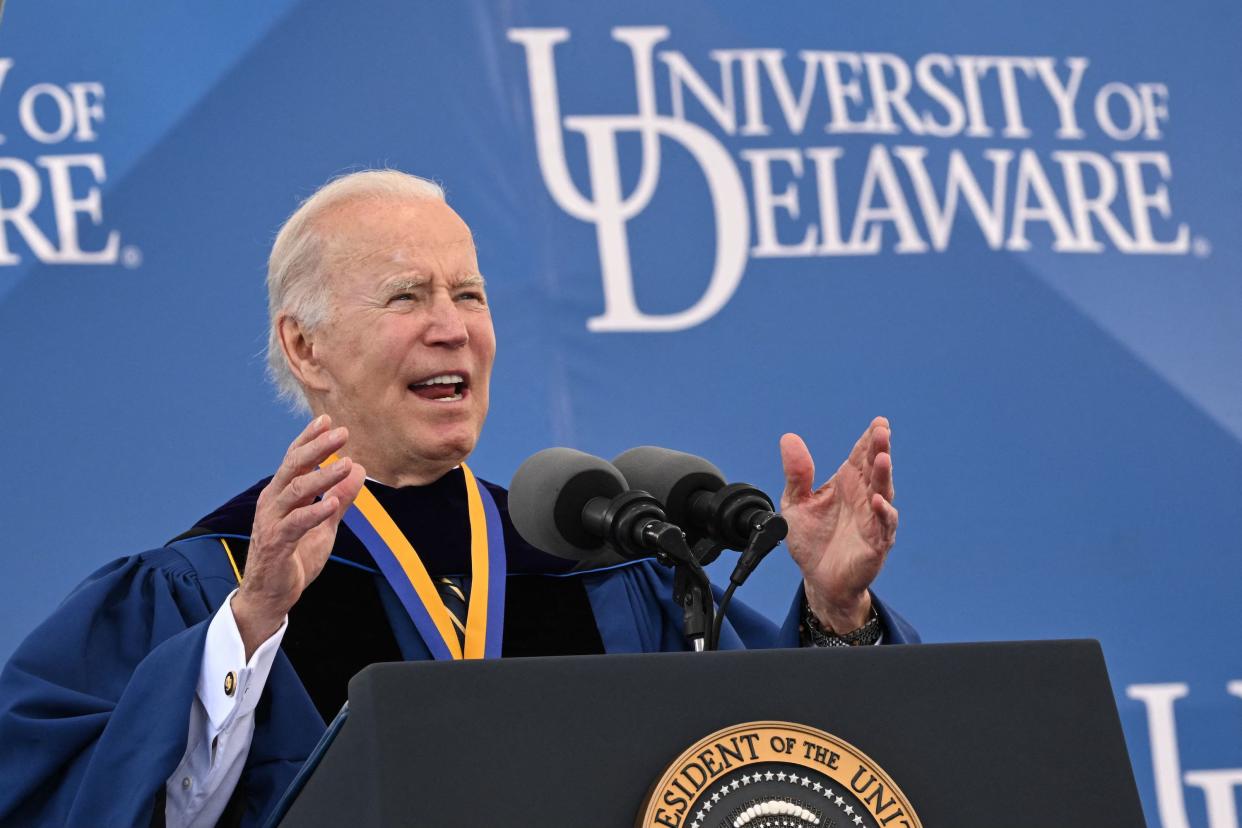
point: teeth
(443, 379)
(453, 398)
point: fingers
(876, 440)
(882, 476)
(799, 469)
(305, 518)
(307, 487)
(346, 491)
(860, 454)
(881, 438)
(886, 515)
(313, 429)
(331, 506)
(307, 457)
(312, 447)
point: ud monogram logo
(775, 775)
(611, 209)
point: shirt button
(185, 783)
(230, 683)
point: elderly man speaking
(190, 682)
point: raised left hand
(840, 533)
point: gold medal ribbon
(401, 565)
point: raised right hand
(293, 532)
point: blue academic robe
(95, 704)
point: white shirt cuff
(229, 687)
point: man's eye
(402, 297)
(472, 296)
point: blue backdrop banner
(1011, 229)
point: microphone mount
(737, 516)
(730, 513)
(633, 523)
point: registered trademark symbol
(1201, 247)
(131, 256)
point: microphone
(696, 497)
(578, 506)
(694, 493)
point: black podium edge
(308, 767)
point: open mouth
(445, 388)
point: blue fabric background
(1067, 426)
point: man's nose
(445, 325)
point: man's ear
(298, 343)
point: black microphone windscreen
(671, 477)
(547, 495)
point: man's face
(406, 352)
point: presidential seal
(775, 775)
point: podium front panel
(1019, 735)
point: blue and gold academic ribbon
(404, 571)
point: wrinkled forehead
(423, 237)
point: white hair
(297, 282)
